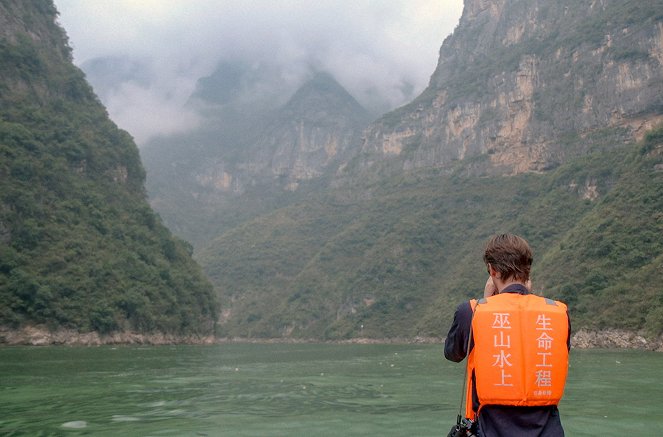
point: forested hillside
(543, 119)
(80, 248)
(395, 262)
(609, 266)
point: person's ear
(492, 272)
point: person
(517, 345)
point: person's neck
(501, 285)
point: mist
(145, 59)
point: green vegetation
(80, 247)
(390, 254)
(385, 253)
(398, 261)
(609, 265)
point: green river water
(292, 390)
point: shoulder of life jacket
(520, 355)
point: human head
(509, 255)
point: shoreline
(41, 336)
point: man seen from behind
(517, 345)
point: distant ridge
(246, 161)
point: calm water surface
(292, 390)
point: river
(292, 390)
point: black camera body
(463, 428)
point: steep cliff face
(32, 43)
(315, 129)
(245, 157)
(298, 142)
(519, 84)
(80, 248)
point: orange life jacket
(520, 354)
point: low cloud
(382, 52)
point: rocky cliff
(557, 95)
(246, 160)
(300, 141)
(318, 127)
(519, 84)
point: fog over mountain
(145, 58)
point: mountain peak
(322, 82)
(322, 94)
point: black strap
(467, 365)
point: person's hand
(490, 288)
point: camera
(463, 428)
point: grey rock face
(517, 73)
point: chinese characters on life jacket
(521, 353)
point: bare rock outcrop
(519, 84)
(614, 339)
(42, 336)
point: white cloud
(375, 48)
(146, 112)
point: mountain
(543, 119)
(311, 132)
(519, 84)
(312, 221)
(245, 160)
(395, 262)
(80, 247)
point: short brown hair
(510, 255)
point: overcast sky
(382, 51)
